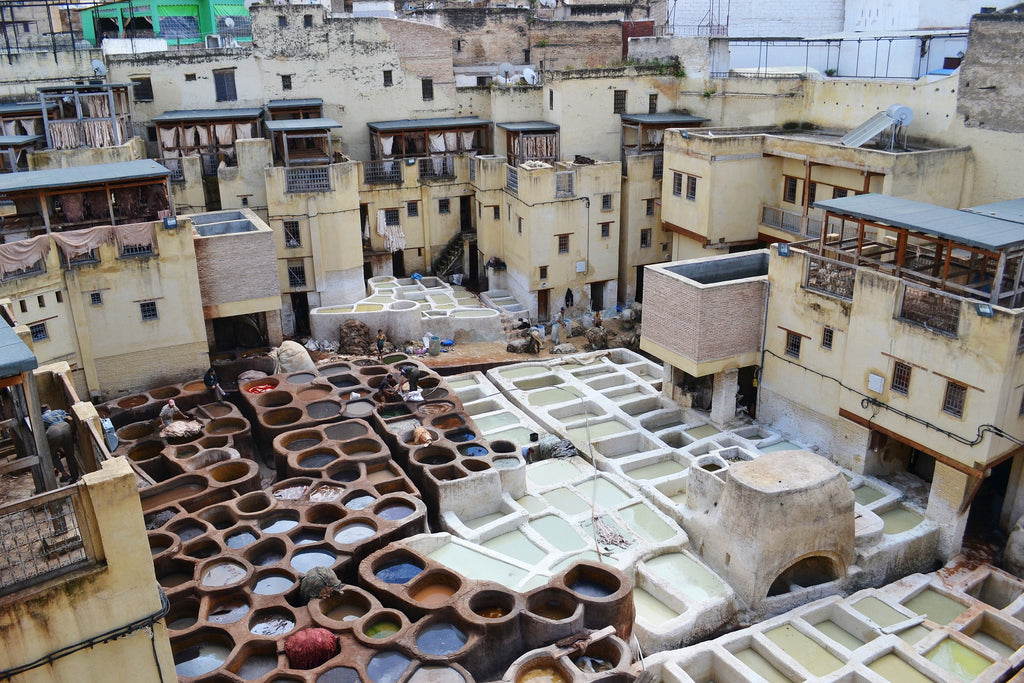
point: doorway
(983, 534)
(597, 296)
(638, 295)
(300, 309)
(543, 304)
(466, 213)
(398, 263)
(747, 398)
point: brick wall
(236, 267)
(130, 372)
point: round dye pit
(201, 657)
(187, 530)
(272, 584)
(345, 606)
(302, 443)
(359, 502)
(323, 409)
(202, 549)
(274, 399)
(395, 511)
(278, 525)
(387, 667)
(437, 674)
(301, 378)
(473, 450)
(432, 594)
(353, 533)
(317, 460)
(225, 425)
(542, 674)
(382, 628)
(272, 622)
(590, 588)
(227, 611)
(223, 573)
(461, 436)
(358, 409)
(345, 431)
(261, 387)
(255, 666)
(308, 559)
(307, 537)
(398, 572)
(339, 674)
(440, 639)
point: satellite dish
(229, 22)
(505, 69)
(530, 76)
(901, 114)
(99, 68)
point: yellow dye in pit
(993, 643)
(811, 656)
(962, 662)
(914, 634)
(879, 612)
(651, 608)
(893, 669)
(839, 634)
(935, 606)
(761, 666)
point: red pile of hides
(310, 648)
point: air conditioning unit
(213, 41)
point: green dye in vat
(703, 431)
(803, 649)
(532, 503)
(558, 533)
(516, 373)
(476, 565)
(629, 396)
(552, 472)
(761, 666)
(892, 668)
(913, 634)
(583, 414)
(520, 436)
(961, 661)
(547, 397)
(899, 519)
(393, 411)
(381, 629)
(993, 643)
(646, 522)
(605, 493)
(935, 606)
(478, 522)
(687, 576)
(651, 609)
(657, 470)
(879, 612)
(866, 495)
(678, 498)
(516, 545)
(780, 446)
(566, 501)
(462, 383)
(491, 422)
(596, 431)
(839, 634)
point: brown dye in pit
(433, 594)
(449, 422)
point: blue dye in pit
(307, 537)
(393, 512)
(591, 589)
(398, 572)
(473, 451)
(359, 502)
(440, 639)
(339, 674)
(387, 667)
(461, 436)
(240, 540)
(279, 525)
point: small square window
(497, 213)
(296, 274)
(793, 344)
(387, 79)
(563, 244)
(292, 235)
(307, 20)
(839, 192)
(39, 332)
(142, 89)
(677, 184)
(551, 99)
(41, 301)
(412, 209)
(953, 401)
(691, 187)
(245, 201)
(286, 82)
(645, 238)
(96, 298)
(664, 247)
(148, 310)
(444, 205)
(789, 190)
(619, 102)
(812, 192)
(282, 21)
(151, 133)
(59, 296)
(427, 87)
(652, 103)
(519, 224)
(649, 207)
(543, 272)
(606, 202)
(190, 77)
(901, 378)
(23, 305)
(826, 337)
(224, 85)
(391, 217)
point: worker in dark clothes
(412, 375)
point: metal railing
(565, 184)
(137, 250)
(437, 167)
(382, 171)
(308, 179)
(937, 311)
(830, 277)
(40, 538)
(177, 169)
(36, 268)
(659, 166)
(790, 221)
(472, 169)
(512, 179)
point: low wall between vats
(401, 324)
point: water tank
(901, 114)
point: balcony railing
(382, 171)
(790, 221)
(174, 165)
(565, 184)
(437, 167)
(830, 277)
(42, 539)
(512, 179)
(937, 311)
(308, 179)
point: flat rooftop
(420, 124)
(208, 114)
(81, 175)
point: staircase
(450, 257)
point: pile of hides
(310, 648)
(182, 429)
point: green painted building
(180, 22)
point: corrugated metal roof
(208, 114)
(81, 175)
(301, 124)
(420, 124)
(17, 140)
(529, 127)
(663, 118)
(1012, 210)
(83, 86)
(964, 227)
(15, 356)
(285, 104)
(21, 108)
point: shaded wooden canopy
(303, 142)
(410, 138)
(531, 141)
(307, 108)
(644, 133)
(86, 115)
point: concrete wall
(765, 18)
(991, 85)
(120, 589)
(237, 272)
(908, 15)
(638, 187)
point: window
(645, 238)
(296, 274)
(652, 103)
(142, 89)
(497, 212)
(606, 229)
(1020, 411)
(292, 237)
(96, 298)
(519, 224)
(793, 344)
(245, 201)
(953, 401)
(388, 82)
(444, 205)
(812, 191)
(307, 20)
(901, 378)
(606, 202)
(543, 272)
(826, 337)
(137, 250)
(38, 331)
(691, 188)
(151, 133)
(677, 184)
(551, 99)
(190, 77)
(839, 192)
(59, 296)
(282, 21)
(563, 244)
(148, 310)
(224, 83)
(619, 102)
(412, 209)
(649, 206)
(664, 247)
(427, 86)
(41, 300)
(483, 81)
(789, 190)
(24, 306)
(286, 82)
(391, 217)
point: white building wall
(796, 18)
(910, 15)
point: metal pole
(53, 39)
(7, 41)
